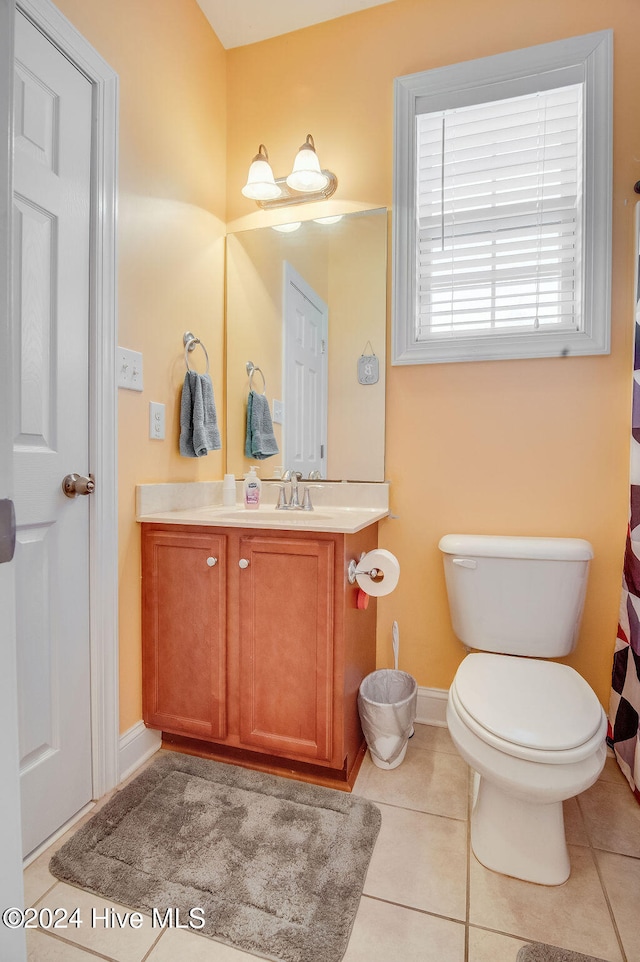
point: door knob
(212, 562)
(75, 484)
(243, 563)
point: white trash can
(387, 704)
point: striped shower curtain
(624, 707)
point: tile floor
(426, 898)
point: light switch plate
(129, 369)
(156, 421)
(278, 412)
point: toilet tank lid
(500, 546)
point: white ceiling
(238, 22)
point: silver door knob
(75, 484)
(243, 563)
(212, 561)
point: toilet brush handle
(395, 635)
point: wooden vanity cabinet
(257, 658)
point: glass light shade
(261, 183)
(306, 174)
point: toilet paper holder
(354, 570)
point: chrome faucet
(294, 501)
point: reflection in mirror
(308, 307)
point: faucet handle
(306, 501)
(282, 498)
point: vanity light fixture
(261, 185)
(306, 174)
(306, 182)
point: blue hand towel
(260, 442)
(199, 432)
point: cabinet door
(286, 646)
(184, 648)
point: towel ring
(190, 341)
(251, 370)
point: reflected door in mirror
(305, 376)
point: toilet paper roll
(387, 567)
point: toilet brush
(395, 644)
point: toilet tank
(516, 596)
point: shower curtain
(624, 707)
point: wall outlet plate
(129, 369)
(156, 421)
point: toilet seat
(531, 709)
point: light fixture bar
(289, 197)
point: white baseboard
(432, 706)
(140, 743)
(136, 745)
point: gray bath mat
(276, 866)
(539, 952)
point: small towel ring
(190, 341)
(251, 370)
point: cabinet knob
(244, 562)
(212, 561)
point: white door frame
(12, 942)
(103, 523)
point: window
(502, 206)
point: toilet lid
(524, 701)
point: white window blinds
(499, 217)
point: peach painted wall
(172, 72)
(537, 447)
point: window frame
(587, 59)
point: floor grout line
(76, 945)
(414, 908)
(594, 856)
(468, 866)
(151, 948)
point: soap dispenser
(252, 489)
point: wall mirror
(307, 306)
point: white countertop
(323, 518)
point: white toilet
(533, 731)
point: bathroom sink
(271, 515)
(328, 518)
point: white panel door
(306, 326)
(51, 230)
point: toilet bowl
(532, 730)
(517, 825)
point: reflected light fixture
(287, 228)
(306, 182)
